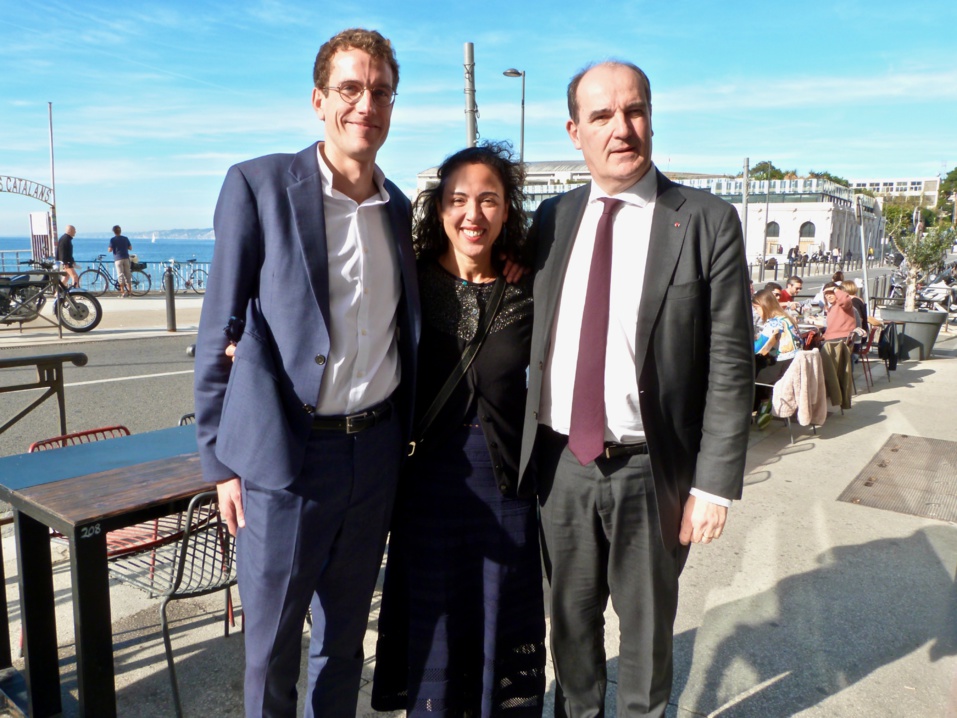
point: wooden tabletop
(76, 485)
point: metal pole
(881, 238)
(744, 202)
(168, 282)
(521, 151)
(53, 228)
(471, 130)
(767, 211)
(867, 291)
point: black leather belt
(613, 450)
(353, 423)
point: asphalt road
(143, 384)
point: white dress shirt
(631, 235)
(362, 367)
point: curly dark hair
(428, 233)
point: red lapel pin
(677, 224)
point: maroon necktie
(586, 435)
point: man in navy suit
(314, 269)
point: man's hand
(702, 521)
(513, 272)
(231, 350)
(231, 504)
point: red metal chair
(134, 539)
(865, 352)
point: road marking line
(129, 378)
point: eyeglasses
(352, 92)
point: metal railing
(774, 270)
(10, 259)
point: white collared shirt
(630, 237)
(364, 289)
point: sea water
(86, 250)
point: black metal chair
(200, 563)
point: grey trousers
(601, 539)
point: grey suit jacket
(693, 352)
(270, 267)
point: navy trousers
(320, 542)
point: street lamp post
(512, 72)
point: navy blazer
(694, 355)
(270, 267)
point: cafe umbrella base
(919, 330)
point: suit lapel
(305, 198)
(668, 228)
(401, 224)
(568, 217)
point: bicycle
(98, 280)
(195, 280)
(22, 296)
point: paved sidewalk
(806, 606)
(122, 319)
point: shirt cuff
(711, 498)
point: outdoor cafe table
(85, 491)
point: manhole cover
(909, 475)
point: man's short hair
(116, 229)
(773, 285)
(576, 80)
(356, 38)
(796, 280)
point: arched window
(774, 230)
(807, 230)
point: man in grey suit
(640, 391)
(314, 270)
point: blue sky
(153, 101)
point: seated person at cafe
(774, 348)
(790, 291)
(851, 288)
(838, 279)
(842, 320)
(784, 299)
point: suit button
(320, 359)
(503, 488)
(493, 445)
(541, 365)
(309, 408)
(534, 414)
(497, 467)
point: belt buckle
(353, 423)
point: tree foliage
(766, 170)
(899, 215)
(949, 184)
(828, 176)
(923, 253)
(945, 200)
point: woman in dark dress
(462, 626)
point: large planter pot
(919, 331)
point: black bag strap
(468, 356)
